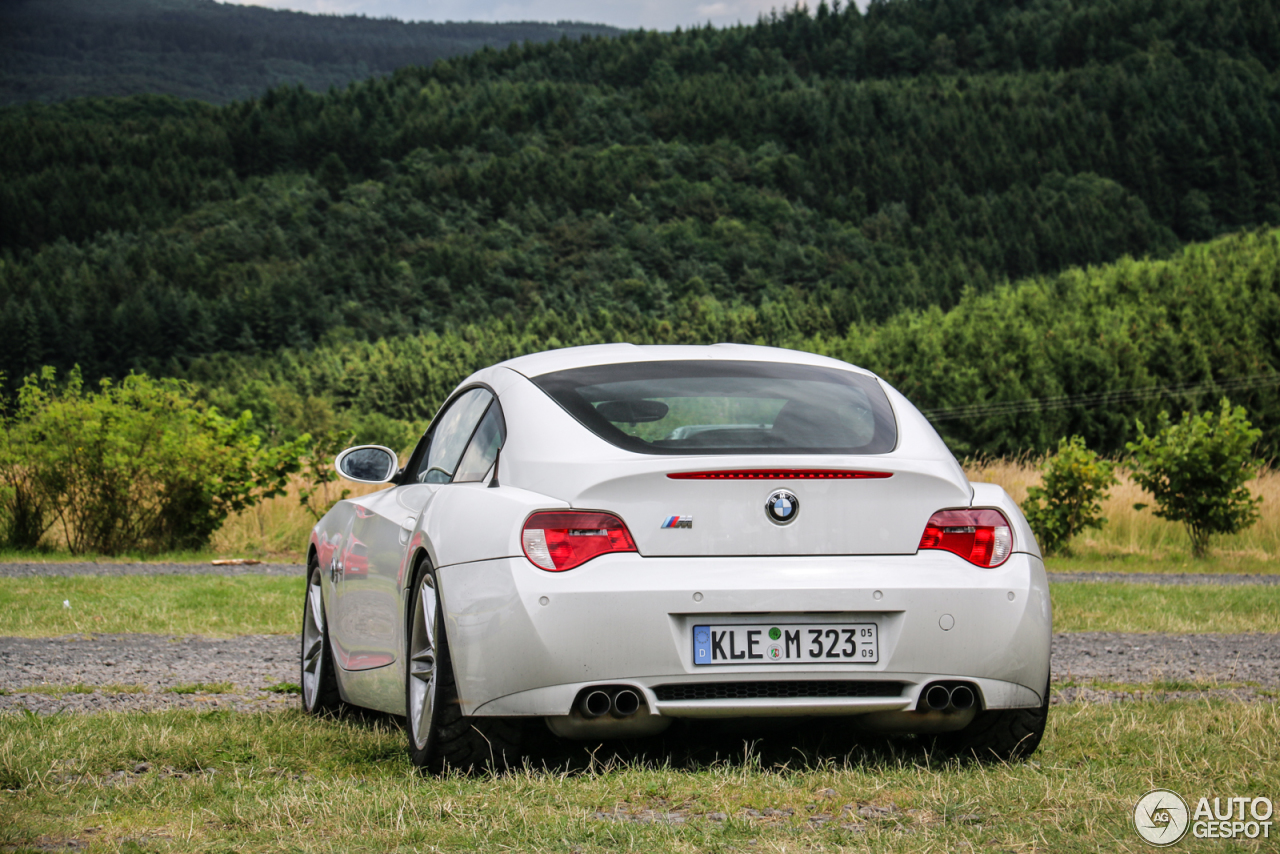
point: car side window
(450, 435)
(484, 446)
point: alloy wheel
(422, 664)
(313, 644)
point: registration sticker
(787, 643)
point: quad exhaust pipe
(595, 704)
(948, 698)
(937, 697)
(608, 711)
(625, 703)
(618, 702)
(962, 697)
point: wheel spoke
(429, 615)
(317, 607)
(422, 666)
(424, 716)
(314, 647)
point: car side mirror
(367, 464)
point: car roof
(537, 364)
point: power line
(1094, 399)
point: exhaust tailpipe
(961, 697)
(595, 704)
(625, 703)
(937, 698)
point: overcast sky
(650, 14)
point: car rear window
(729, 407)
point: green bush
(319, 472)
(1197, 469)
(134, 466)
(1075, 481)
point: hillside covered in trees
(1136, 337)
(829, 176)
(51, 50)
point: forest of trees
(1133, 331)
(51, 50)
(825, 179)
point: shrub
(135, 466)
(25, 515)
(1197, 469)
(319, 472)
(1075, 482)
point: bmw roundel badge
(782, 507)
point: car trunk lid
(701, 507)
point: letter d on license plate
(783, 643)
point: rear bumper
(526, 642)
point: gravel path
(251, 663)
(1169, 578)
(112, 662)
(1249, 665)
(33, 570)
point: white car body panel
(510, 644)
(849, 556)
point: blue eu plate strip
(701, 644)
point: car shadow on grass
(798, 744)
(784, 743)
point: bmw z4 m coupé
(601, 540)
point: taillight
(982, 537)
(562, 539)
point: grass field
(212, 605)
(229, 782)
(219, 606)
(1114, 607)
(188, 781)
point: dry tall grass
(278, 528)
(1141, 532)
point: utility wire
(1102, 398)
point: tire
(1000, 735)
(319, 679)
(440, 736)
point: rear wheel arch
(415, 564)
(419, 555)
(468, 744)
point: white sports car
(600, 540)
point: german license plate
(782, 643)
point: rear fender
(479, 523)
(993, 495)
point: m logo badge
(677, 522)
